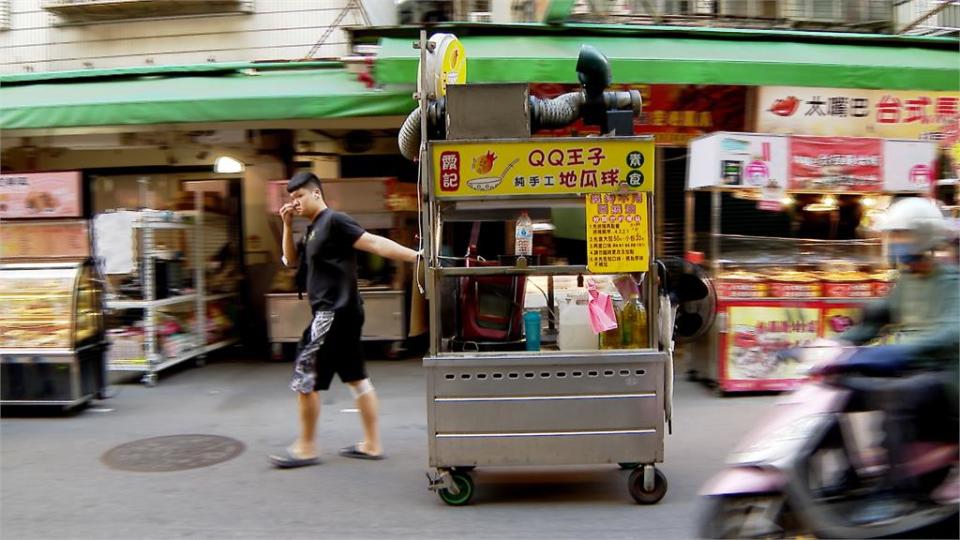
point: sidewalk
(55, 486)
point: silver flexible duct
(560, 111)
(409, 137)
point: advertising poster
(618, 230)
(921, 115)
(836, 163)
(756, 333)
(672, 113)
(35, 240)
(40, 195)
(542, 167)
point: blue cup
(531, 323)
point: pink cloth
(600, 307)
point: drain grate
(172, 453)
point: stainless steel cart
(546, 407)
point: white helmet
(920, 216)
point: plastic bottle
(532, 326)
(633, 319)
(524, 236)
(613, 338)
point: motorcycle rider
(924, 309)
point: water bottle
(531, 323)
(523, 247)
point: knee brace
(361, 388)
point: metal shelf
(142, 304)
(158, 225)
(512, 271)
(189, 355)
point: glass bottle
(634, 323)
(613, 338)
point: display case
(51, 333)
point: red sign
(40, 195)
(450, 168)
(672, 113)
(836, 163)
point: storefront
(145, 141)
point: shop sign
(37, 240)
(674, 114)
(618, 233)
(738, 160)
(542, 167)
(836, 163)
(40, 195)
(757, 334)
(909, 165)
(922, 115)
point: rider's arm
(875, 317)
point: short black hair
(303, 179)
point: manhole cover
(172, 453)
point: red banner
(836, 163)
(672, 113)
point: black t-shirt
(331, 261)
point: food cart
(788, 239)
(498, 392)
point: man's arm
(290, 256)
(384, 247)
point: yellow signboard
(618, 233)
(542, 166)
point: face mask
(902, 253)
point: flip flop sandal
(289, 460)
(355, 453)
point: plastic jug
(575, 333)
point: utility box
(488, 111)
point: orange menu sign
(44, 240)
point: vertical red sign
(450, 171)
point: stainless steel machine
(557, 404)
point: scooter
(807, 469)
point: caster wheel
(150, 380)
(628, 466)
(635, 484)
(464, 483)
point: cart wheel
(628, 466)
(465, 483)
(635, 484)
(150, 380)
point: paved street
(55, 486)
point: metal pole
(689, 227)
(715, 208)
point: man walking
(327, 269)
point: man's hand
(286, 214)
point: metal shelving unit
(192, 222)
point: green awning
(184, 95)
(750, 59)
